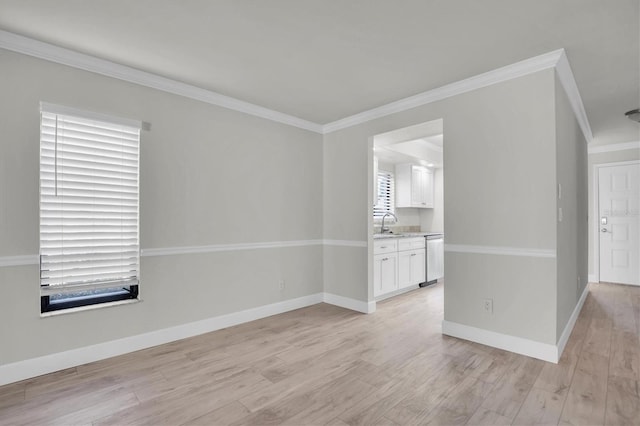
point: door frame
(595, 227)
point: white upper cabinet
(414, 186)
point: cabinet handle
(413, 254)
(385, 259)
(383, 247)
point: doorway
(618, 222)
(406, 213)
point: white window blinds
(385, 202)
(89, 190)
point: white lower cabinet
(385, 273)
(399, 263)
(411, 266)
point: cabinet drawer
(386, 245)
(411, 243)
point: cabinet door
(418, 264)
(411, 264)
(417, 186)
(404, 269)
(385, 273)
(428, 189)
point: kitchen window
(89, 208)
(385, 202)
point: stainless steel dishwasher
(434, 258)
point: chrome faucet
(383, 229)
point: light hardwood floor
(327, 365)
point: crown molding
(598, 149)
(565, 75)
(518, 69)
(60, 55)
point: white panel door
(619, 219)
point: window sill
(89, 307)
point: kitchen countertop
(405, 235)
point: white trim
(565, 75)
(543, 351)
(169, 251)
(556, 59)
(32, 259)
(29, 259)
(33, 367)
(348, 303)
(89, 307)
(564, 338)
(50, 52)
(509, 72)
(499, 250)
(397, 292)
(345, 243)
(595, 226)
(613, 147)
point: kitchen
(408, 218)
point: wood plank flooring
(324, 365)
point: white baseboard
(593, 278)
(348, 303)
(33, 367)
(566, 333)
(396, 293)
(543, 351)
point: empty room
(234, 212)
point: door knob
(604, 229)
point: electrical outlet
(488, 306)
(281, 285)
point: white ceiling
(421, 143)
(323, 60)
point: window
(385, 202)
(89, 215)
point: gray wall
(571, 169)
(499, 179)
(208, 176)
(214, 176)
